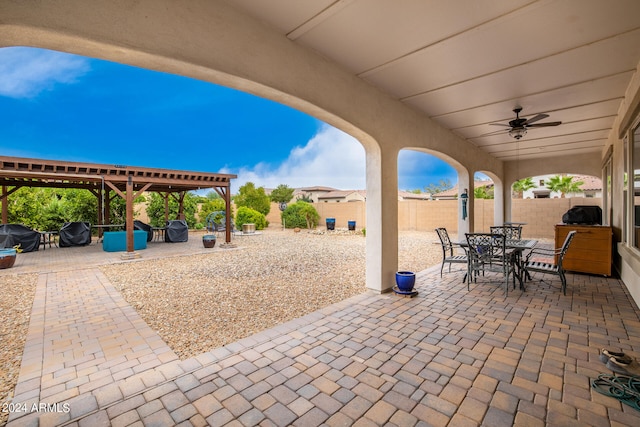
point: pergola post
(5, 205)
(129, 223)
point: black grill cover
(583, 215)
(177, 231)
(75, 234)
(13, 234)
(139, 225)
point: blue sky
(65, 107)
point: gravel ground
(201, 302)
(205, 301)
(15, 309)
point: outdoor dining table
(518, 246)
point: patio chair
(222, 227)
(448, 256)
(510, 231)
(531, 264)
(488, 253)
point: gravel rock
(15, 310)
(205, 301)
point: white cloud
(25, 72)
(331, 158)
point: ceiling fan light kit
(517, 133)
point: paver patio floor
(446, 357)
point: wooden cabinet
(590, 250)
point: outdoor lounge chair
(531, 264)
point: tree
(155, 209)
(563, 185)
(212, 205)
(254, 198)
(522, 185)
(247, 215)
(443, 185)
(304, 198)
(483, 192)
(300, 214)
(282, 194)
(213, 195)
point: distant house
(453, 193)
(591, 187)
(407, 195)
(343, 196)
(312, 193)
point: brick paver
(446, 357)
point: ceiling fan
(518, 126)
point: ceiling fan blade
(542, 125)
(536, 118)
(499, 124)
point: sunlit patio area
(448, 356)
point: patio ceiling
(469, 63)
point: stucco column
(465, 225)
(382, 208)
(500, 208)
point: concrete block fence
(425, 215)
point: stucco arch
(465, 180)
(584, 164)
(214, 42)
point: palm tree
(563, 185)
(522, 185)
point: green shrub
(247, 215)
(300, 214)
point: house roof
(341, 194)
(453, 192)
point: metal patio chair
(555, 268)
(448, 255)
(489, 253)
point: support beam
(226, 196)
(129, 221)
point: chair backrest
(486, 246)
(444, 240)
(509, 231)
(565, 246)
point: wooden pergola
(127, 182)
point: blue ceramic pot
(405, 280)
(7, 258)
(209, 240)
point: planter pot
(209, 240)
(7, 258)
(405, 280)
